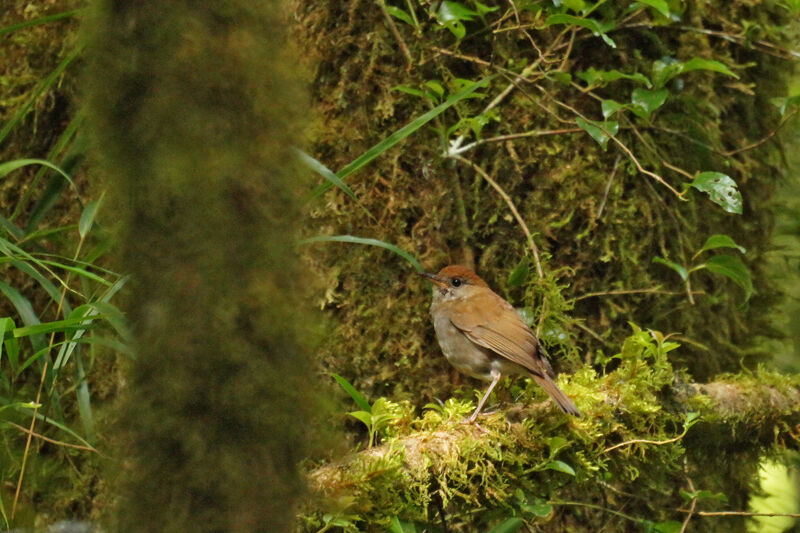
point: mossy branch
(536, 449)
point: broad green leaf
(400, 14)
(646, 101)
(509, 526)
(519, 275)
(610, 107)
(450, 11)
(370, 242)
(721, 189)
(699, 63)
(402, 133)
(720, 241)
(560, 466)
(597, 28)
(733, 268)
(667, 68)
(363, 416)
(357, 397)
(594, 77)
(660, 6)
(680, 269)
(599, 131)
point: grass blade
(370, 242)
(401, 134)
(357, 397)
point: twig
(645, 441)
(626, 150)
(510, 136)
(738, 513)
(28, 442)
(608, 188)
(53, 441)
(472, 59)
(511, 206)
(692, 508)
(677, 169)
(654, 290)
(396, 32)
(765, 139)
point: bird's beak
(433, 278)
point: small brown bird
(484, 337)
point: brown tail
(556, 394)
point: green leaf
(720, 241)
(400, 14)
(483, 9)
(10, 166)
(519, 275)
(646, 101)
(318, 167)
(610, 107)
(733, 268)
(597, 28)
(509, 526)
(721, 189)
(699, 63)
(364, 417)
(370, 242)
(357, 397)
(450, 11)
(594, 77)
(660, 6)
(670, 526)
(539, 508)
(599, 131)
(87, 217)
(574, 5)
(680, 269)
(398, 526)
(560, 466)
(402, 133)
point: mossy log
(680, 435)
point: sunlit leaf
(660, 6)
(721, 189)
(646, 101)
(357, 397)
(720, 241)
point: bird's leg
(496, 375)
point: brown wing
(491, 322)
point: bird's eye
(455, 282)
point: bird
(483, 336)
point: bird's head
(454, 280)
